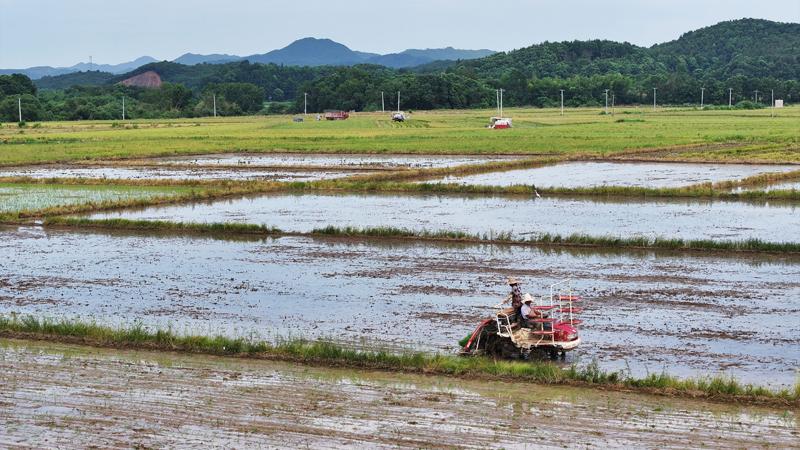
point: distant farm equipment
(336, 115)
(399, 116)
(500, 123)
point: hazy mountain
(191, 59)
(34, 73)
(303, 52)
(416, 57)
(312, 52)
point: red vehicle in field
(553, 333)
(336, 115)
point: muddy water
(57, 395)
(590, 174)
(688, 314)
(336, 160)
(154, 173)
(687, 219)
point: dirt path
(59, 395)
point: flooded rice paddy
(688, 314)
(686, 219)
(64, 396)
(591, 174)
(337, 160)
(158, 173)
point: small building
(779, 103)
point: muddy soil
(590, 174)
(175, 173)
(688, 314)
(57, 396)
(520, 216)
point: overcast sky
(63, 32)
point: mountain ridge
(306, 51)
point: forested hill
(747, 47)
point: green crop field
(735, 135)
(28, 197)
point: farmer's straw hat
(512, 281)
(527, 298)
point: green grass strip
(492, 237)
(748, 245)
(319, 352)
(150, 225)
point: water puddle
(686, 219)
(155, 173)
(336, 160)
(591, 174)
(646, 312)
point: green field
(16, 198)
(735, 135)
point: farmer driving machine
(552, 328)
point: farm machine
(552, 332)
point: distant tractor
(336, 115)
(500, 123)
(399, 116)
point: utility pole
(501, 101)
(606, 101)
(90, 63)
(497, 101)
(772, 104)
(562, 102)
(215, 105)
(19, 105)
(305, 103)
(730, 97)
(123, 107)
(702, 97)
(613, 103)
(383, 103)
(756, 96)
(654, 98)
(398, 101)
